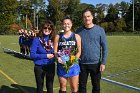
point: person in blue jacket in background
(43, 55)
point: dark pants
(22, 49)
(40, 72)
(94, 70)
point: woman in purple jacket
(43, 55)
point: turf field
(123, 65)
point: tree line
(29, 14)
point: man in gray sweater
(94, 53)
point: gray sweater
(94, 45)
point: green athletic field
(16, 73)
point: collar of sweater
(45, 36)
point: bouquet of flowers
(67, 57)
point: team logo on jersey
(67, 43)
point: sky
(94, 2)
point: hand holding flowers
(66, 57)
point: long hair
(50, 24)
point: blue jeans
(95, 74)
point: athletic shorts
(73, 71)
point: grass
(123, 55)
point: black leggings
(40, 72)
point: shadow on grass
(15, 88)
(18, 55)
(7, 89)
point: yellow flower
(72, 57)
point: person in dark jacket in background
(94, 52)
(22, 41)
(43, 55)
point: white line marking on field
(121, 84)
(122, 73)
(7, 49)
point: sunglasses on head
(49, 28)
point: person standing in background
(94, 52)
(21, 40)
(43, 56)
